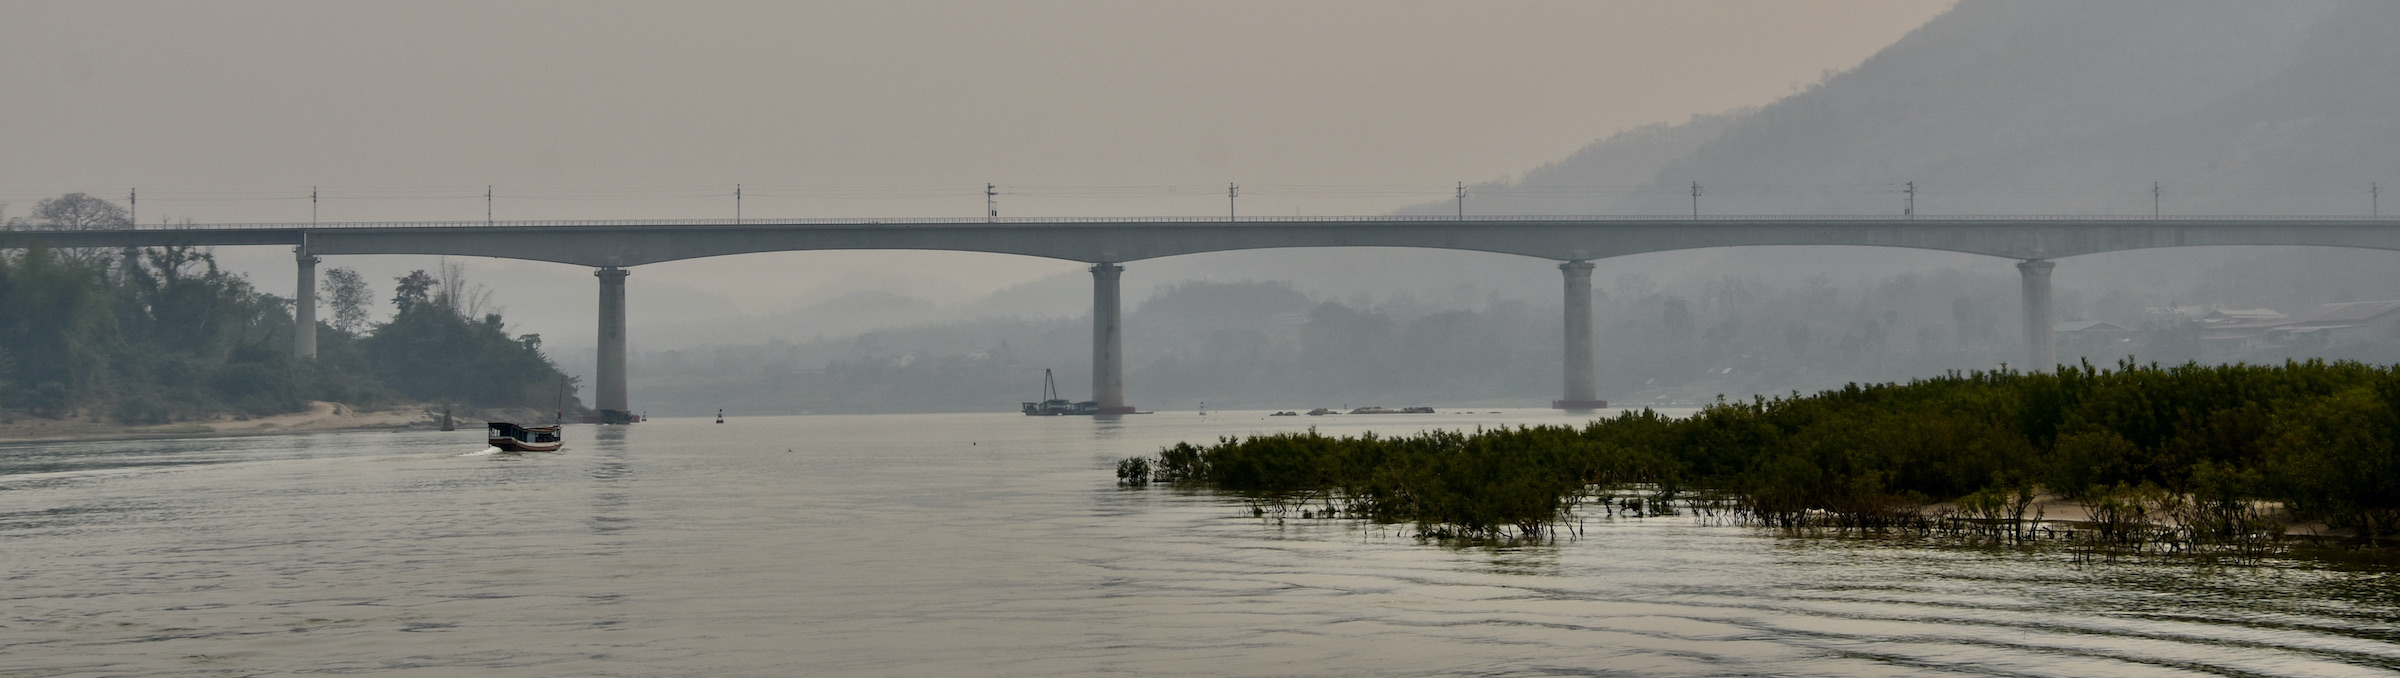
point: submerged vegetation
(2174, 457)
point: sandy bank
(2056, 512)
(320, 416)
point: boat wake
(484, 451)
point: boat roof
(506, 426)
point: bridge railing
(1020, 221)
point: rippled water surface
(999, 545)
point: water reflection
(969, 544)
(1528, 561)
(1108, 426)
(606, 436)
(609, 467)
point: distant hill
(2017, 106)
(1997, 106)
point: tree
(414, 289)
(79, 212)
(347, 293)
(2337, 459)
(427, 352)
(467, 299)
(176, 337)
(59, 324)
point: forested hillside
(2016, 106)
(1266, 345)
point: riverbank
(319, 417)
(2057, 513)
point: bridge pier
(1582, 380)
(1108, 340)
(608, 394)
(2040, 350)
(304, 306)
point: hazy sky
(231, 111)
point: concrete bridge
(612, 247)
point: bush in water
(2198, 446)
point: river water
(914, 545)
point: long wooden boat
(513, 438)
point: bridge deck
(620, 243)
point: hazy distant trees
(78, 212)
(464, 297)
(347, 295)
(415, 289)
(1267, 345)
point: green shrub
(1134, 471)
(2201, 444)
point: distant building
(2101, 341)
(2228, 316)
(2325, 325)
(2088, 327)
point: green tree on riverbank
(160, 334)
(430, 352)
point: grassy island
(2189, 455)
